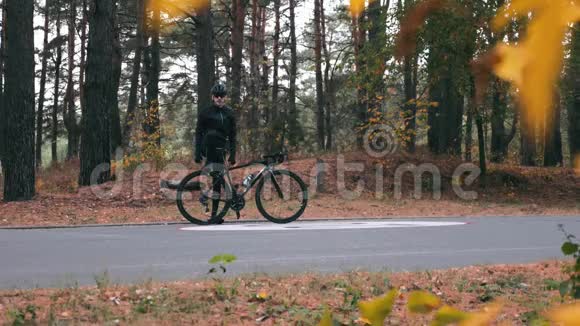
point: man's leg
(217, 186)
(215, 162)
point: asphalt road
(67, 257)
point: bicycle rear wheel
(201, 195)
(281, 196)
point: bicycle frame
(268, 169)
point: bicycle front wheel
(281, 196)
(202, 198)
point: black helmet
(219, 90)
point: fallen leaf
(422, 302)
(326, 319)
(378, 309)
(448, 315)
(484, 317)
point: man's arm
(232, 137)
(199, 132)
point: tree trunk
(293, 132)
(132, 104)
(95, 155)
(432, 118)
(375, 54)
(527, 144)
(57, 64)
(469, 131)
(328, 84)
(481, 143)
(18, 164)
(410, 90)
(265, 69)
(264, 105)
(574, 97)
(445, 121)
(318, 63)
(239, 10)
(69, 112)
(275, 114)
(410, 107)
(2, 56)
(82, 66)
(116, 132)
(151, 124)
(205, 58)
(252, 119)
(447, 66)
(40, 111)
(500, 140)
(553, 136)
(359, 37)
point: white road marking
(329, 225)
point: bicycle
(281, 196)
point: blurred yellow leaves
(356, 7)
(422, 302)
(483, 318)
(448, 315)
(178, 8)
(534, 64)
(577, 164)
(568, 315)
(376, 310)
(326, 318)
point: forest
(83, 80)
(436, 144)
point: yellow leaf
(376, 310)
(511, 66)
(568, 315)
(262, 295)
(356, 7)
(448, 315)
(326, 318)
(483, 318)
(362, 321)
(178, 8)
(515, 9)
(422, 302)
(534, 64)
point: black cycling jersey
(215, 134)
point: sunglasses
(220, 95)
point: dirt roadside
(136, 197)
(527, 292)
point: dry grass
(528, 290)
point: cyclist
(215, 136)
